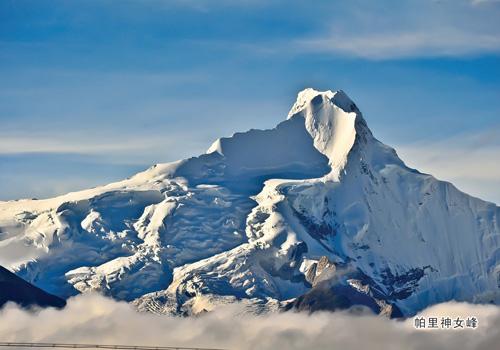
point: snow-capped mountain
(16, 290)
(266, 217)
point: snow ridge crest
(330, 118)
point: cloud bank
(96, 319)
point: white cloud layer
(95, 319)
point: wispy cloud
(124, 149)
(394, 45)
(95, 319)
(480, 2)
(82, 145)
(470, 161)
(412, 29)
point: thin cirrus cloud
(469, 161)
(403, 45)
(125, 146)
(423, 29)
(480, 2)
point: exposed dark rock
(325, 297)
(339, 288)
(400, 286)
(322, 270)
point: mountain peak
(338, 98)
(252, 220)
(330, 118)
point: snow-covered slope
(251, 219)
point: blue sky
(94, 91)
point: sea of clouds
(93, 318)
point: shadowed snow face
(95, 319)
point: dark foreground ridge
(15, 289)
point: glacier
(275, 219)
